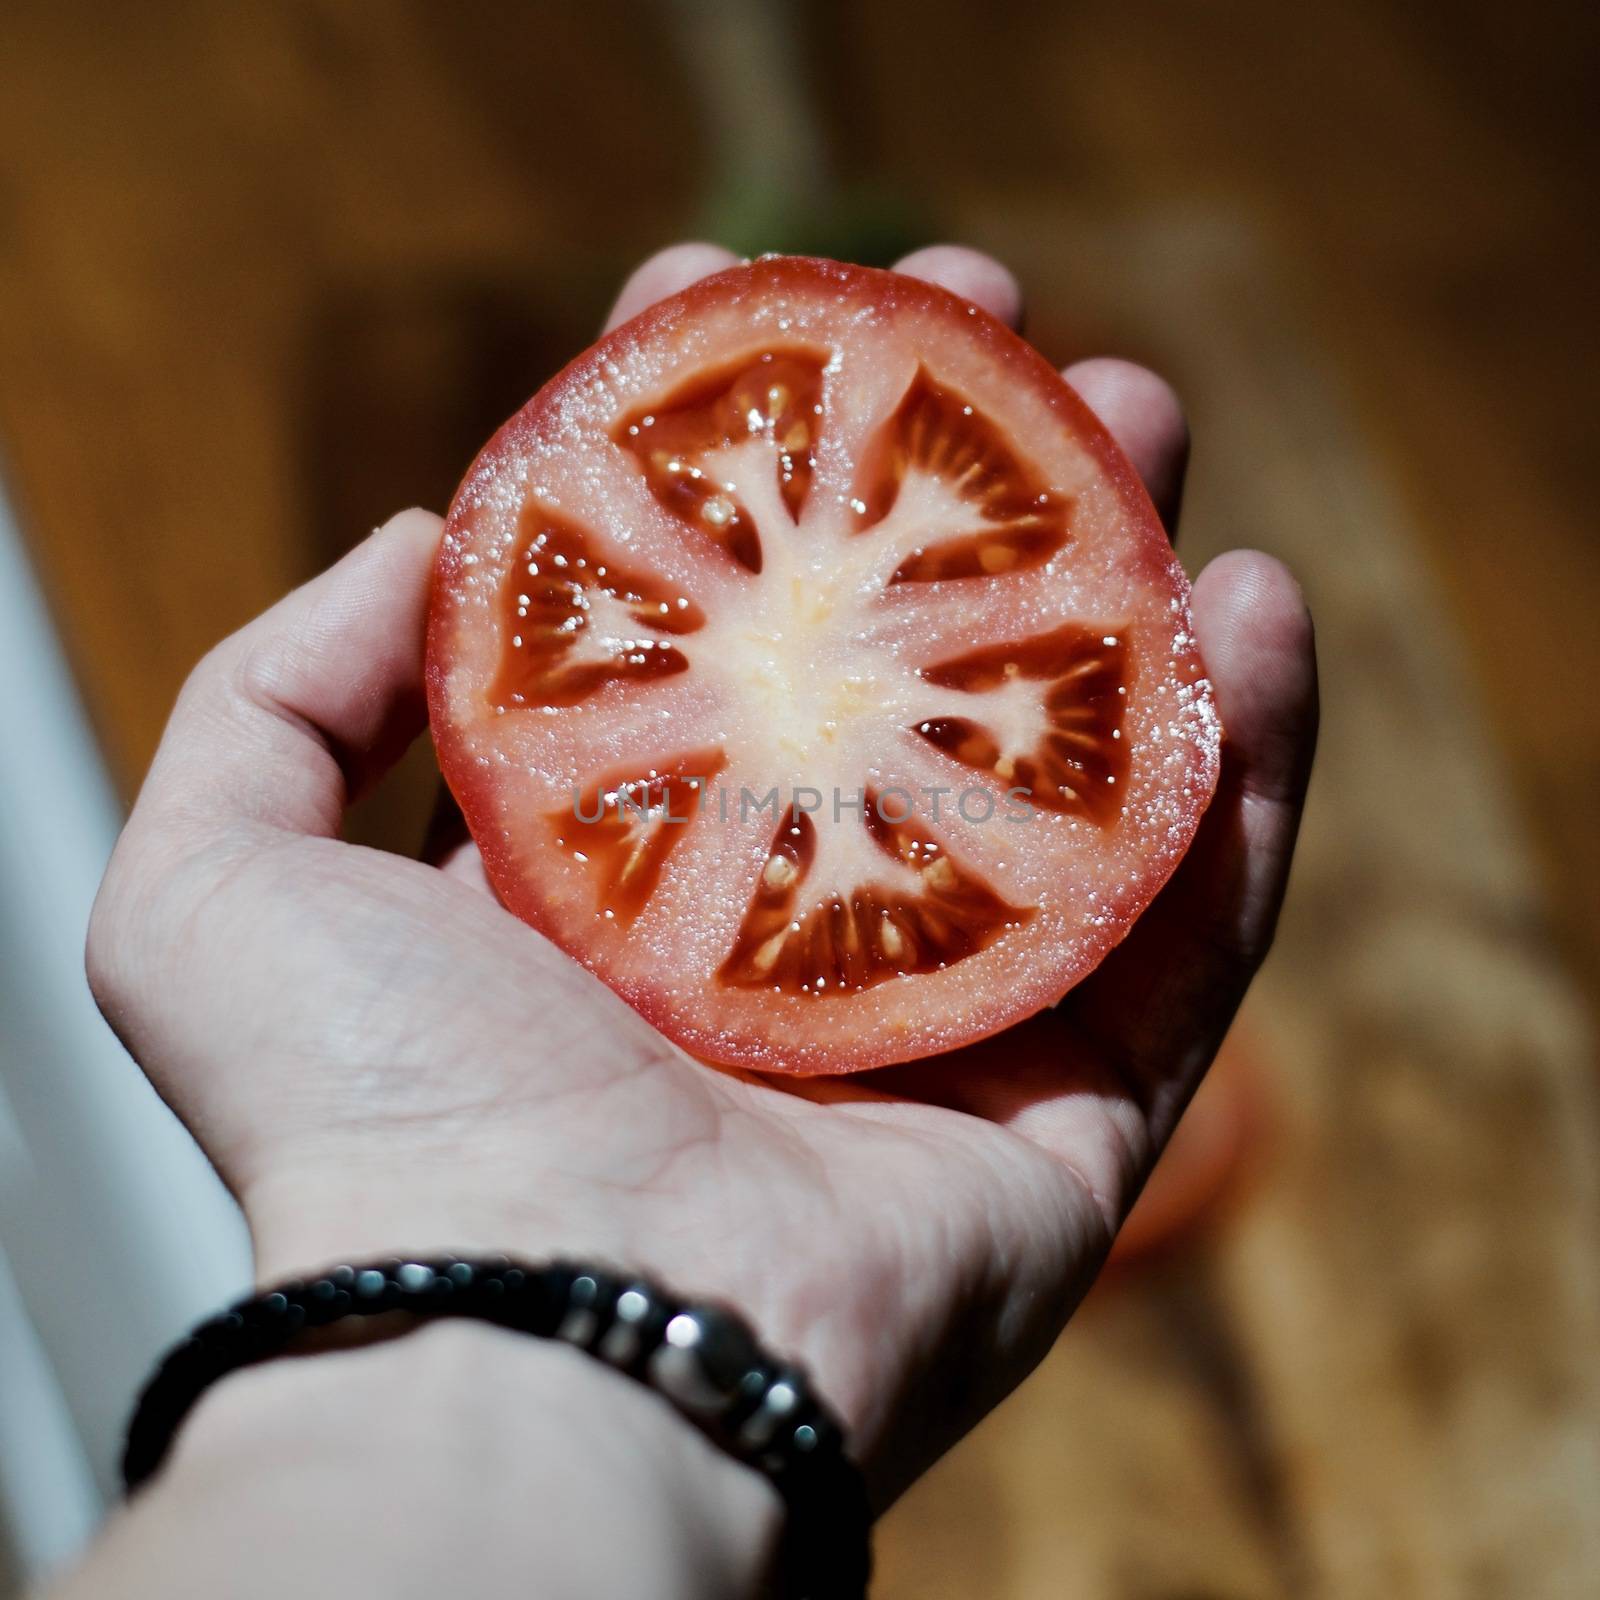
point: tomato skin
(907, 1017)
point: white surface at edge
(117, 1232)
(47, 1492)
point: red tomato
(809, 663)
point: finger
(448, 846)
(1143, 414)
(464, 863)
(446, 830)
(970, 274)
(289, 719)
(1256, 634)
(666, 273)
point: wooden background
(270, 271)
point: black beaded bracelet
(702, 1358)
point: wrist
(306, 1216)
(441, 1441)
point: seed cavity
(770, 398)
(1020, 523)
(837, 943)
(623, 829)
(1080, 764)
(570, 625)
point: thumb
(288, 720)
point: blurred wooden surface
(267, 273)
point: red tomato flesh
(809, 663)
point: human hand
(379, 1058)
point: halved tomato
(809, 663)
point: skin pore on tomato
(808, 662)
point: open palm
(379, 1058)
